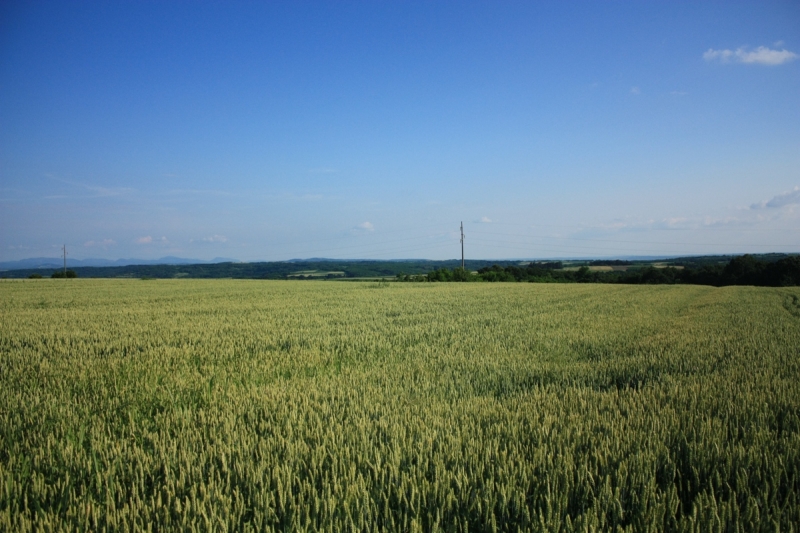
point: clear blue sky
(276, 130)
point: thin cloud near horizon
(787, 198)
(762, 55)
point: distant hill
(57, 262)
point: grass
(225, 404)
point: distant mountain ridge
(57, 262)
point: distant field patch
(595, 268)
(316, 274)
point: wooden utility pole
(462, 245)
(65, 259)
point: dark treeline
(262, 270)
(610, 262)
(744, 270)
(765, 270)
(58, 274)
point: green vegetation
(744, 270)
(315, 274)
(276, 270)
(764, 270)
(278, 406)
(63, 274)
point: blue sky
(278, 130)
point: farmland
(282, 405)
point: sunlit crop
(323, 406)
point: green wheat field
(235, 405)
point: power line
(627, 242)
(530, 243)
(561, 247)
(440, 229)
(712, 228)
(363, 245)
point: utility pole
(65, 259)
(462, 245)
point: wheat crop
(223, 405)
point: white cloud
(675, 221)
(678, 93)
(213, 238)
(723, 55)
(760, 56)
(486, 220)
(150, 240)
(787, 198)
(366, 226)
(105, 243)
(765, 56)
(635, 91)
(94, 191)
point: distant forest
(743, 270)
(772, 270)
(313, 269)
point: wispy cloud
(365, 226)
(787, 198)
(635, 91)
(94, 191)
(105, 243)
(760, 56)
(150, 240)
(212, 239)
(308, 197)
(296, 197)
(197, 192)
(637, 225)
(485, 220)
(780, 213)
(670, 224)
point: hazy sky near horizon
(278, 130)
